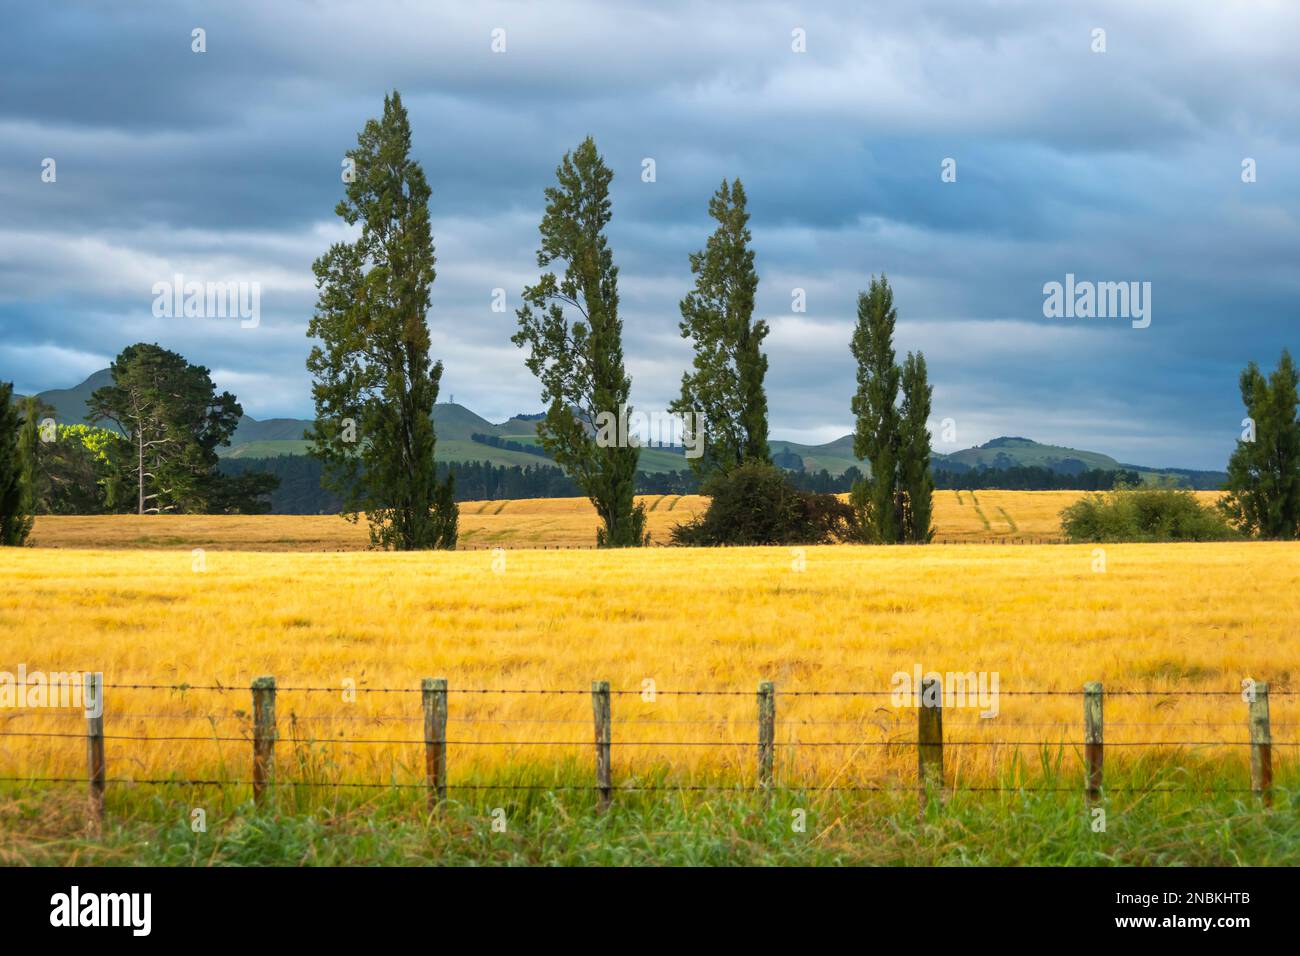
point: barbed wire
(220, 688)
(40, 712)
(629, 788)
(649, 743)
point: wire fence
(929, 741)
(662, 692)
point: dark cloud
(1122, 165)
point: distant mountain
(70, 404)
(1010, 452)
(456, 425)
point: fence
(436, 695)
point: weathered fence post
(1261, 746)
(1093, 738)
(929, 739)
(600, 708)
(766, 732)
(435, 738)
(92, 700)
(263, 736)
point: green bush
(1144, 514)
(755, 503)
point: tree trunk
(140, 470)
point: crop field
(1161, 618)
(683, 636)
(959, 516)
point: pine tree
(15, 492)
(174, 421)
(1263, 486)
(876, 499)
(726, 386)
(374, 385)
(915, 480)
(580, 362)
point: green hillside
(265, 449)
(836, 456)
(455, 424)
(1009, 452)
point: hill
(1012, 452)
(456, 425)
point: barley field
(1159, 618)
(959, 516)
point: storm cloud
(1123, 165)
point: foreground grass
(393, 828)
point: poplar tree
(725, 387)
(876, 435)
(15, 492)
(915, 480)
(374, 384)
(579, 358)
(1263, 486)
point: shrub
(755, 503)
(1144, 514)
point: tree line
(301, 492)
(375, 384)
(149, 447)
(374, 381)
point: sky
(1113, 156)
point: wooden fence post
(1261, 746)
(600, 708)
(1093, 738)
(92, 701)
(929, 739)
(766, 732)
(263, 736)
(435, 739)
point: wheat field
(1159, 618)
(959, 516)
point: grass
(395, 829)
(1011, 524)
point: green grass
(265, 449)
(1008, 519)
(152, 826)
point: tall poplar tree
(16, 502)
(915, 480)
(725, 387)
(374, 385)
(876, 434)
(580, 360)
(1263, 486)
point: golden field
(541, 522)
(1160, 618)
